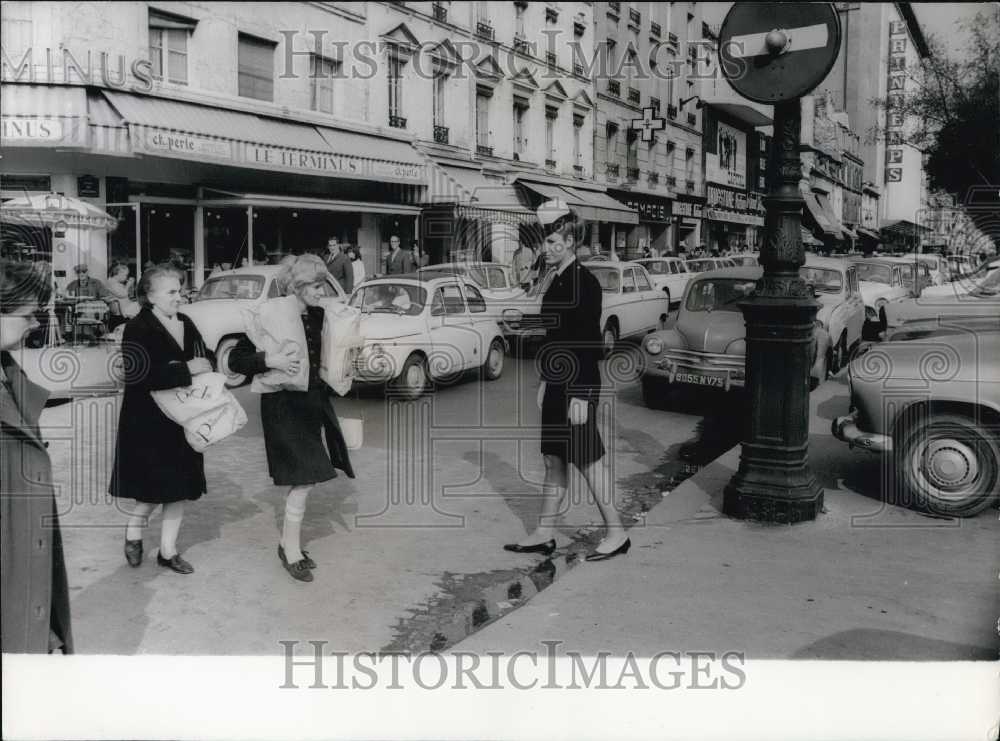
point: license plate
(699, 380)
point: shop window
(256, 68)
(323, 72)
(168, 46)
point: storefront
(734, 218)
(654, 230)
(688, 216)
(205, 186)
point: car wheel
(493, 367)
(946, 464)
(609, 337)
(225, 347)
(411, 383)
(655, 393)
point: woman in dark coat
(570, 389)
(295, 422)
(154, 464)
(33, 573)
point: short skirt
(580, 445)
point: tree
(952, 112)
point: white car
(632, 306)
(701, 264)
(669, 274)
(841, 311)
(494, 280)
(937, 265)
(881, 282)
(422, 330)
(216, 309)
(964, 283)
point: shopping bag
(206, 409)
(275, 326)
(341, 346)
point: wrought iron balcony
(578, 69)
(484, 29)
(632, 173)
(672, 40)
(689, 186)
(654, 103)
(520, 43)
(633, 96)
(550, 59)
(579, 28)
(671, 111)
(614, 88)
(671, 181)
(440, 12)
(550, 164)
(440, 134)
(615, 8)
(611, 169)
(397, 122)
(634, 16)
(578, 170)
(654, 177)
(654, 29)
(551, 14)
(484, 150)
(692, 119)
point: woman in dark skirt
(295, 422)
(570, 388)
(154, 464)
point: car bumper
(723, 372)
(846, 430)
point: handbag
(206, 409)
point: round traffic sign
(772, 52)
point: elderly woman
(35, 590)
(154, 464)
(295, 422)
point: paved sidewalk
(863, 581)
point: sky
(940, 20)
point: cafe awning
(590, 205)
(44, 116)
(221, 198)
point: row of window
(632, 154)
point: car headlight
(654, 345)
(737, 347)
(511, 316)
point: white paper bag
(206, 409)
(341, 346)
(275, 326)
(353, 431)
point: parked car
(983, 300)
(932, 404)
(493, 279)
(421, 330)
(960, 265)
(748, 259)
(937, 265)
(701, 264)
(842, 311)
(669, 274)
(707, 345)
(216, 309)
(881, 283)
(631, 306)
(964, 283)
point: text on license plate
(700, 380)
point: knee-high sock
(173, 513)
(291, 532)
(138, 520)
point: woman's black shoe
(545, 548)
(176, 563)
(308, 562)
(133, 552)
(623, 548)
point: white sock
(173, 513)
(138, 520)
(291, 531)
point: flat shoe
(133, 552)
(545, 548)
(622, 549)
(176, 563)
(309, 563)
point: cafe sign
(328, 163)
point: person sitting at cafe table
(84, 286)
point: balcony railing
(578, 170)
(671, 111)
(551, 14)
(689, 186)
(654, 29)
(654, 103)
(634, 17)
(692, 119)
(672, 40)
(484, 150)
(520, 43)
(440, 134)
(550, 59)
(579, 28)
(397, 122)
(614, 88)
(671, 181)
(578, 69)
(484, 30)
(654, 177)
(632, 173)
(633, 96)
(615, 8)
(440, 12)
(550, 164)
(611, 169)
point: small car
(881, 282)
(937, 266)
(216, 309)
(421, 330)
(701, 264)
(960, 265)
(964, 283)
(707, 345)
(842, 312)
(983, 300)
(669, 274)
(747, 259)
(631, 306)
(931, 403)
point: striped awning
(44, 116)
(590, 205)
(470, 189)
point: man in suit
(339, 265)
(398, 261)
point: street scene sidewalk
(864, 581)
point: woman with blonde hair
(295, 422)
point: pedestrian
(295, 422)
(154, 464)
(570, 386)
(35, 590)
(398, 262)
(357, 265)
(419, 259)
(120, 287)
(339, 266)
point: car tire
(655, 393)
(412, 381)
(493, 365)
(945, 464)
(226, 345)
(609, 337)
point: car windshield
(824, 280)
(232, 286)
(698, 266)
(874, 272)
(609, 278)
(390, 298)
(656, 267)
(718, 294)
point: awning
(590, 205)
(814, 215)
(44, 116)
(169, 128)
(219, 198)
(902, 226)
(863, 232)
(809, 240)
(848, 232)
(739, 111)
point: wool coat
(33, 571)
(153, 461)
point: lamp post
(776, 53)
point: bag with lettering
(206, 409)
(341, 345)
(274, 327)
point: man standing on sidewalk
(339, 266)
(398, 261)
